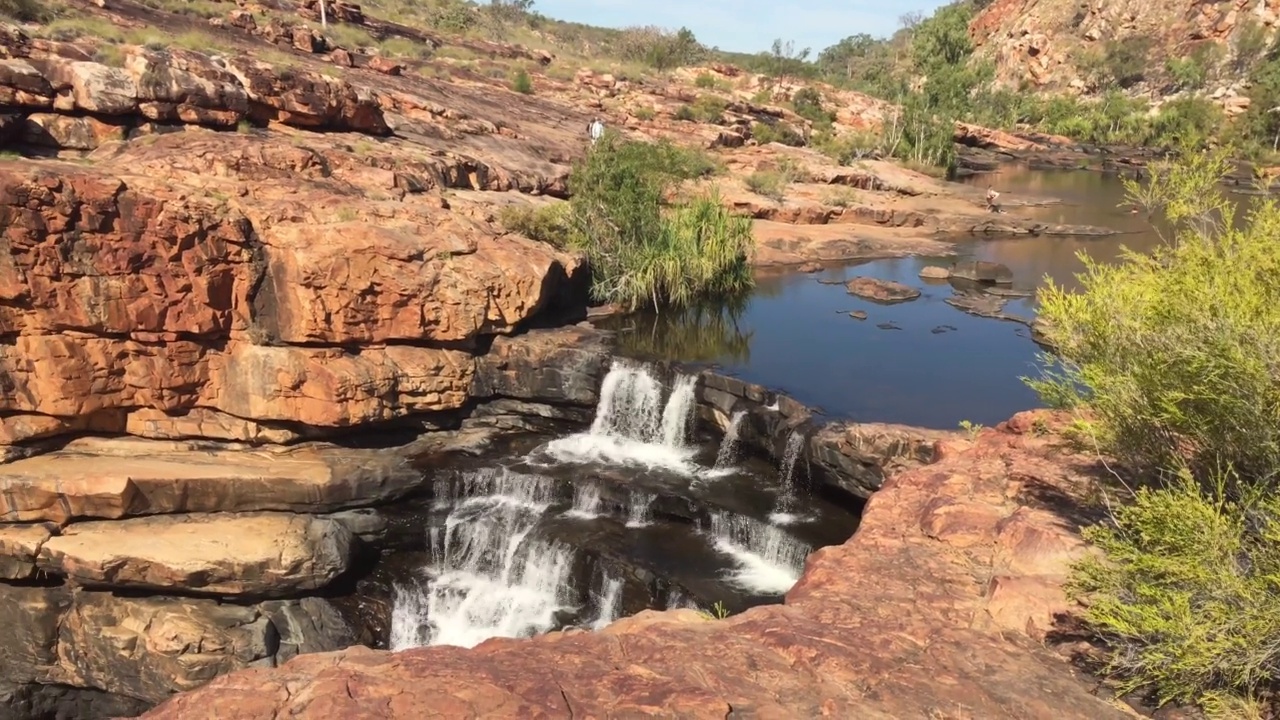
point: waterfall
(586, 502)
(640, 509)
(608, 601)
(488, 577)
(633, 425)
(769, 560)
(782, 514)
(679, 411)
(729, 445)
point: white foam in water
(488, 577)
(769, 560)
(586, 502)
(639, 509)
(728, 451)
(609, 602)
(633, 426)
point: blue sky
(746, 25)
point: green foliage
(708, 109)
(547, 223)
(1251, 42)
(1186, 596)
(1192, 72)
(661, 49)
(768, 183)
(707, 81)
(522, 83)
(1121, 63)
(779, 132)
(640, 254)
(685, 112)
(807, 103)
(25, 11)
(1178, 353)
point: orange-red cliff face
(1049, 43)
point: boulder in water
(934, 272)
(885, 292)
(982, 271)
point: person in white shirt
(992, 195)
(595, 130)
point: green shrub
(1186, 597)
(644, 112)
(707, 81)
(548, 223)
(684, 112)
(779, 132)
(522, 83)
(709, 109)
(25, 10)
(659, 48)
(768, 183)
(1178, 353)
(643, 255)
(807, 103)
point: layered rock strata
(937, 607)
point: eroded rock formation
(936, 608)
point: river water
(922, 362)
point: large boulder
(149, 648)
(117, 478)
(884, 292)
(256, 554)
(982, 271)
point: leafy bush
(640, 254)
(1186, 596)
(768, 183)
(707, 81)
(684, 112)
(1178, 353)
(548, 223)
(709, 108)
(25, 11)
(779, 132)
(659, 48)
(522, 83)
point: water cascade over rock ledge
(135, 568)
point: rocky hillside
(1092, 45)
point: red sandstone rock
(914, 617)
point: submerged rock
(982, 271)
(934, 272)
(885, 292)
(858, 314)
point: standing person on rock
(595, 130)
(992, 196)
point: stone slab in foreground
(936, 608)
(115, 478)
(259, 554)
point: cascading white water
(488, 577)
(633, 426)
(679, 411)
(640, 509)
(586, 502)
(769, 560)
(608, 601)
(782, 509)
(729, 445)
